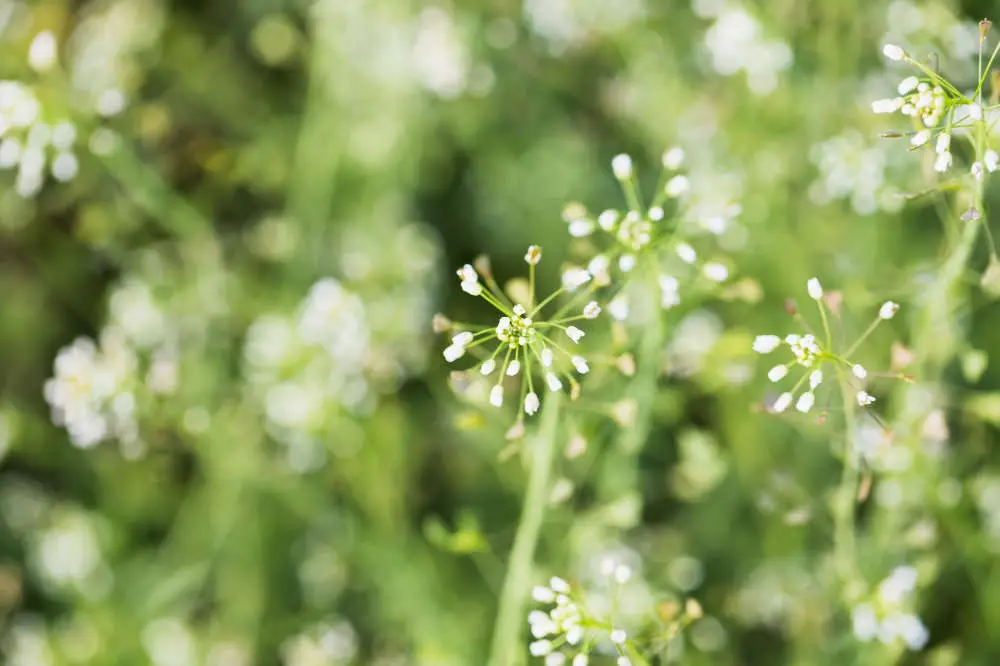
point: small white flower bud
(943, 143)
(581, 660)
(488, 366)
(673, 158)
(686, 253)
(546, 356)
(453, 352)
(607, 219)
(513, 368)
(574, 278)
(581, 228)
(540, 648)
(623, 574)
(462, 339)
(553, 381)
(574, 333)
(621, 165)
(977, 170)
(815, 379)
(805, 401)
(715, 272)
(580, 363)
(591, 310)
(782, 403)
(677, 186)
(573, 636)
(559, 585)
(618, 308)
(496, 396)
(618, 636)
(43, 52)
(542, 595)
(815, 289)
(864, 399)
(531, 404)
(889, 105)
(943, 162)
(765, 344)
(920, 138)
(473, 288)
(655, 213)
(888, 310)
(534, 255)
(859, 371)
(893, 52)
(777, 373)
(624, 661)
(626, 263)
(555, 659)
(908, 85)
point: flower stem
(843, 514)
(506, 649)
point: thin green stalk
(506, 649)
(648, 375)
(844, 509)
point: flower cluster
(812, 355)
(27, 138)
(642, 229)
(887, 617)
(523, 342)
(569, 631)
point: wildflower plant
(543, 350)
(812, 354)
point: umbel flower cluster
(569, 632)
(813, 355)
(618, 241)
(524, 342)
(886, 616)
(937, 108)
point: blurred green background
(262, 499)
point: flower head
(522, 343)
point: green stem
(643, 389)
(843, 515)
(506, 649)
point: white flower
(531, 403)
(555, 659)
(621, 165)
(655, 213)
(559, 585)
(865, 622)
(473, 288)
(624, 661)
(686, 253)
(580, 363)
(606, 220)
(467, 273)
(777, 373)
(591, 310)
(487, 367)
(669, 295)
(805, 401)
(976, 170)
(618, 636)
(864, 399)
(553, 381)
(574, 278)
(673, 158)
(765, 344)
(943, 143)
(574, 333)
(943, 162)
(513, 368)
(815, 379)
(715, 272)
(888, 310)
(496, 396)
(677, 186)
(920, 138)
(893, 52)
(623, 574)
(581, 660)
(533, 255)
(453, 352)
(581, 228)
(43, 52)
(546, 357)
(991, 160)
(462, 339)
(859, 371)
(908, 85)
(626, 263)
(574, 635)
(782, 403)
(540, 648)
(543, 595)
(890, 105)
(815, 289)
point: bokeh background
(265, 495)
